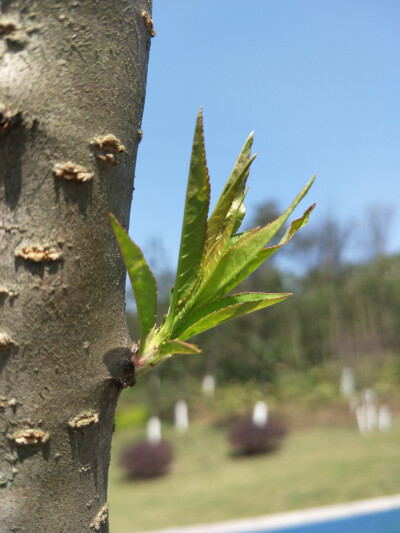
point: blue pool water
(382, 522)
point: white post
(260, 414)
(361, 415)
(353, 404)
(347, 383)
(384, 418)
(154, 430)
(208, 385)
(369, 396)
(181, 416)
(371, 409)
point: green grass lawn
(317, 466)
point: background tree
(72, 87)
(342, 313)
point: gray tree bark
(72, 87)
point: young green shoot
(213, 259)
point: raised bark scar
(84, 419)
(71, 171)
(29, 437)
(9, 118)
(5, 341)
(149, 24)
(109, 143)
(39, 253)
(4, 291)
(100, 518)
(14, 33)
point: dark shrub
(249, 439)
(146, 460)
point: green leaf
(214, 256)
(175, 346)
(237, 210)
(242, 160)
(295, 226)
(241, 211)
(234, 187)
(226, 309)
(243, 252)
(265, 253)
(195, 217)
(142, 279)
(234, 240)
(229, 204)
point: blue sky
(318, 82)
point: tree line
(341, 311)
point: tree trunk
(72, 86)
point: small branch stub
(30, 437)
(71, 171)
(100, 518)
(83, 420)
(39, 254)
(5, 341)
(149, 24)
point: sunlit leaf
(226, 309)
(142, 279)
(241, 161)
(215, 254)
(233, 192)
(176, 346)
(195, 216)
(237, 210)
(265, 253)
(243, 252)
(240, 236)
(213, 259)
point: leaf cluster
(213, 259)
